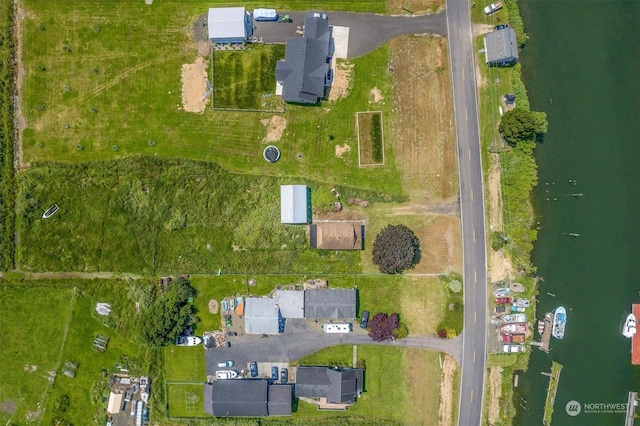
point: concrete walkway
(367, 31)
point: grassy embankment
(7, 135)
(518, 177)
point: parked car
(226, 364)
(512, 348)
(503, 300)
(365, 319)
(231, 333)
(253, 368)
(284, 375)
(274, 373)
(320, 15)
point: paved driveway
(367, 31)
(300, 340)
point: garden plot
(370, 138)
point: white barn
(295, 204)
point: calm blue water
(582, 67)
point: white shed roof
(294, 204)
(261, 316)
(291, 303)
(115, 403)
(226, 22)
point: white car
(226, 374)
(320, 15)
(226, 364)
(512, 348)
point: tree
(383, 326)
(520, 124)
(170, 315)
(395, 249)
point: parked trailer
(265, 15)
(337, 328)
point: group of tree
(386, 327)
(395, 249)
(520, 124)
(171, 313)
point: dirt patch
(204, 48)
(213, 306)
(410, 7)
(341, 81)
(479, 29)
(275, 127)
(445, 412)
(8, 407)
(495, 392)
(30, 368)
(194, 86)
(499, 266)
(376, 96)
(341, 150)
(423, 124)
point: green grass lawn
(247, 79)
(34, 319)
(389, 382)
(184, 364)
(99, 85)
(149, 215)
(186, 400)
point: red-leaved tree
(382, 327)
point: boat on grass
(515, 328)
(515, 318)
(51, 211)
(629, 328)
(188, 341)
(559, 322)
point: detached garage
(295, 204)
(229, 25)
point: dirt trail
(495, 391)
(445, 414)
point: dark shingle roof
(330, 303)
(279, 400)
(239, 398)
(305, 67)
(338, 386)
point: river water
(581, 66)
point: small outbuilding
(229, 25)
(115, 403)
(295, 204)
(501, 47)
(337, 235)
(262, 316)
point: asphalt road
(472, 212)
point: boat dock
(635, 340)
(543, 344)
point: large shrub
(395, 249)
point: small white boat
(226, 374)
(523, 303)
(515, 318)
(51, 211)
(188, 341)
(559, 322)
(629, 328)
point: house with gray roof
(261, 316)
(229, 25)
(246, 398)
(295, 204)
(501, 46)
(334, 303)
(337, 385)
(306, 69)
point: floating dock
(631, 408)
(635, 340)
(543, 344)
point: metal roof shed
(262, 316)
(501, 46)
(330, 303)
(291, 303)
(229, 25)
(295, 204)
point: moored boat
(559, 322)
(629, 328)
